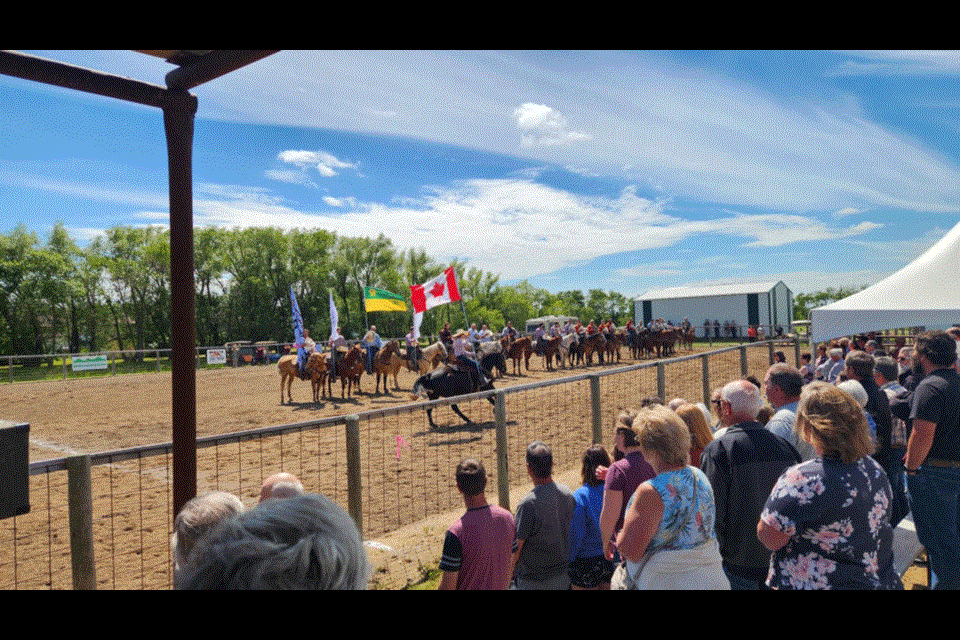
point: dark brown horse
(549, 348)
(614, 342)
(349, 369)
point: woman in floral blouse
(827, 520)
(668, 539)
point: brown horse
(594, 343)
(549, 349)
(388, 362)
(614, 342)
(664, 340)
(686, 338)
(287, 365)
(519, 349)
(349, 369)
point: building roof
(710, 291)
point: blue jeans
(899, 507)
(739, 583)
(934, 500)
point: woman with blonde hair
(700, 434)
(668, 539)
(827, 520)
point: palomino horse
(388, 362)
(430, 358)
(287, 365)
(449, 384)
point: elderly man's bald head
(280, 485)
(744, 400)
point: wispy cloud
(899, 63)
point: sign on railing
(89, 363)
(216, 356)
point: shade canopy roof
(925, 293)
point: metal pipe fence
(401, 474)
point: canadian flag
(432, 293)
(439, 290)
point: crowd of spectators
(796, 482)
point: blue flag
(297, 329)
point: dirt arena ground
(111, 413)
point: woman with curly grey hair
(307, 542)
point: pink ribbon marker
(400, 442)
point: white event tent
(925, 293)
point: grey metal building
(761, 304)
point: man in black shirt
(743, 465)
(933, 457)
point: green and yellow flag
(380, 300)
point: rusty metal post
(179, 108)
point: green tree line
(115, 292)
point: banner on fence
(216, 356)
(89, 363)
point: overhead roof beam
(213, 65)
(28, 67)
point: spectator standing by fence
(621, 480)
(588, 568)
(542, 556)
(933, 457)
(477, 549)
(743, 465)
(826, 519)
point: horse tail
(418, 388)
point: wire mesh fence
(407, 489)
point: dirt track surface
(402, 486)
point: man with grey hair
(302, 543)
(743, 465)
(885, 375)
(280, 485)
(783, 385)
(542, 553)
(830, 370)
(198, 516)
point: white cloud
(323, 161)
(339, 202)
(540, 125)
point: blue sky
(624, 171)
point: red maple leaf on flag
(437, 290)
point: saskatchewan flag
(380, 300)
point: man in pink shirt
(478, 548)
